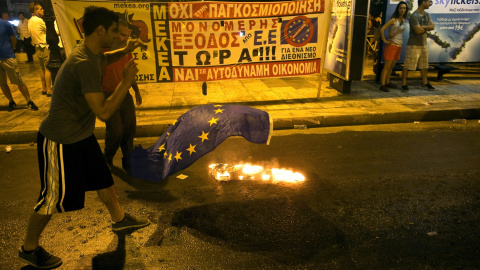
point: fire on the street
(227, 172)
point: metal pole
(56, 59)
(379, 54)
(327, 10)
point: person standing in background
(5, 16)
(38, 31)
(25, 37)
(417, 49)
(60, 41)
(9, 66)
(393, 46)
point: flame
(223, 176)
(226, 172)
(287, 175)
(249, 169)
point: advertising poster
(337, 56)
(206, 41)
(456, 37)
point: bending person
(69, 156)
(120, 128)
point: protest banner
(207, 41)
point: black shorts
(67, 171)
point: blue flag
(194, 134)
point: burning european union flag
(196, 133)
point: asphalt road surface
(375, 197)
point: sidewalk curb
(377, 118)
(156, 130)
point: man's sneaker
(405, 88)
(391, 85)
(39, 258)
(428, 86)
(130, 222)
(32, 106)
(384, 88)
(11, 106)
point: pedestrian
(120, 128)
(393, 46)
(417, 49)
(25, 37)
(38, 31)
(374, 25)
(5, 16)
(60, 41)
(70, 159)
(9, 67)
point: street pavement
(290, 101)
(397, 196)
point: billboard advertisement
(206, 41)
(337, 55)
(456, 37)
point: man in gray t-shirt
(70, 118)
(70, 159)
(417, 49)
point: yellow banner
(205, 41)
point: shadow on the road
(144, 190)
(156, 196)
(114, 259)
(29, 267)
(136, 183)
(286, 230)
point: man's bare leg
(109, 197)
(36, 225)
(48, 81)
(6, 91)
(121, 219)
(24, 90)
(424, 73)
(42, 78)
(404, 76)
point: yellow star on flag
(178, 156)
(165, 155)
(162, 147)
(213, 121)
(191, 149)
(169, 157)
(168, 135)
(218, 111)
(204, 136)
